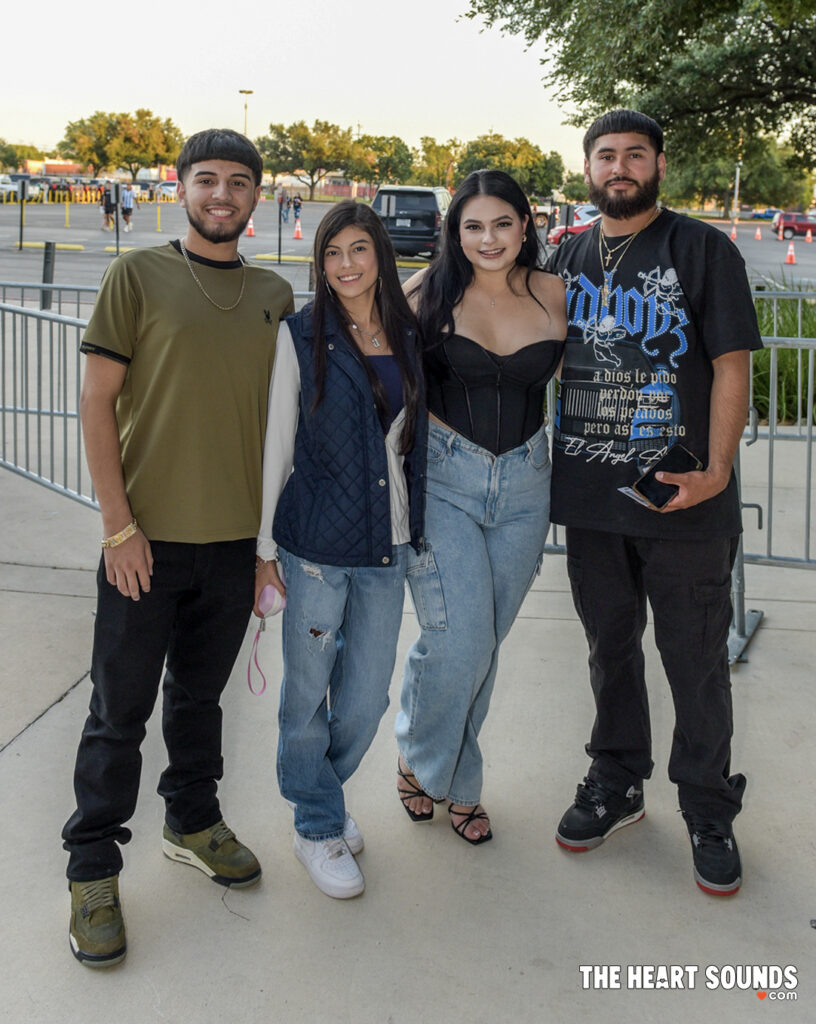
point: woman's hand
(267, 575)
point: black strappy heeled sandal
(411, 793)
(469, 817)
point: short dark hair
(219, 144)
(618, 121)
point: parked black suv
(413, 215)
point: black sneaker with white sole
(596, 813)
(717, 867)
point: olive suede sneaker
(97, 929)
(216, 852)
(717, 867)
(596, 813)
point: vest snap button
(386, 561)
(382, 483)
(331, 347)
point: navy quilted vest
(335, 507)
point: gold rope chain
(225, 309)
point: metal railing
(41, 438)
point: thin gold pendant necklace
(608, 274)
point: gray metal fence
(41, 439)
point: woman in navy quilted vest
(343, 501)
(493, 327)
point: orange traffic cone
(809, 236)
(780, 236)
(250, 229)
(791, 257)
(733, 235)
(758, 234)
(298, 233)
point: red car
(793, 224)
(585, 217)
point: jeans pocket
(436, 451)
(540, 452)
(426, 590)
(715, 620)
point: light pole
(245, 93)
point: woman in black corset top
(493, 327)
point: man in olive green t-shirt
(179, 354)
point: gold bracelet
(122, 535)
(261, 562)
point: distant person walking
(129, 198)
(283, 203)
(297, 202)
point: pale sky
(406, 69)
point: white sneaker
(352, 835)
(351, 831)
(331, 866)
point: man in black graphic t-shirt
(661, 322)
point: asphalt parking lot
(154, 224)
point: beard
(623, 207)
(218, 234)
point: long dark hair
(445, 281)
(392, 307)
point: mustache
(617, 181)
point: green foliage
(435, 162)
(144, 140)
(108, 140)
(12, 155)
(379, 158)
(575, 188)
(784, 318)
(308, 153)
(536, 172)
(705, 69)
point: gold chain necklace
(209, 297)
(607, 274)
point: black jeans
(196, 616)
(688, 585)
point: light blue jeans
(340, 629)
(486, 523)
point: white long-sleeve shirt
(279, 449)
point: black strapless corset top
(495, 401)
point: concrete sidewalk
(445, 933)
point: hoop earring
(379, 284)
(524, 238)
(328, 286)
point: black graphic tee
(638, 370)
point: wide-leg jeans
(195, 614)
(486, 523)
(688, 585)
(340, 630)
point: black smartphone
(676, 460)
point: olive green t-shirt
(192, 411)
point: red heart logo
(761, 995)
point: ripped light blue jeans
(340, 629)
(486, 523)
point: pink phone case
(270, 602)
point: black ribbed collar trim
(218, 264)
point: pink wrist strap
(270, 602)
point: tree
(378, 158)
(13, 154)
(704, 68)
(574, 188)
(88, 141)
(434, 161)
(522, 159)
(144, 140)
(307, 153)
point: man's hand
(267, 575)
(129, 566)
(694, 487)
